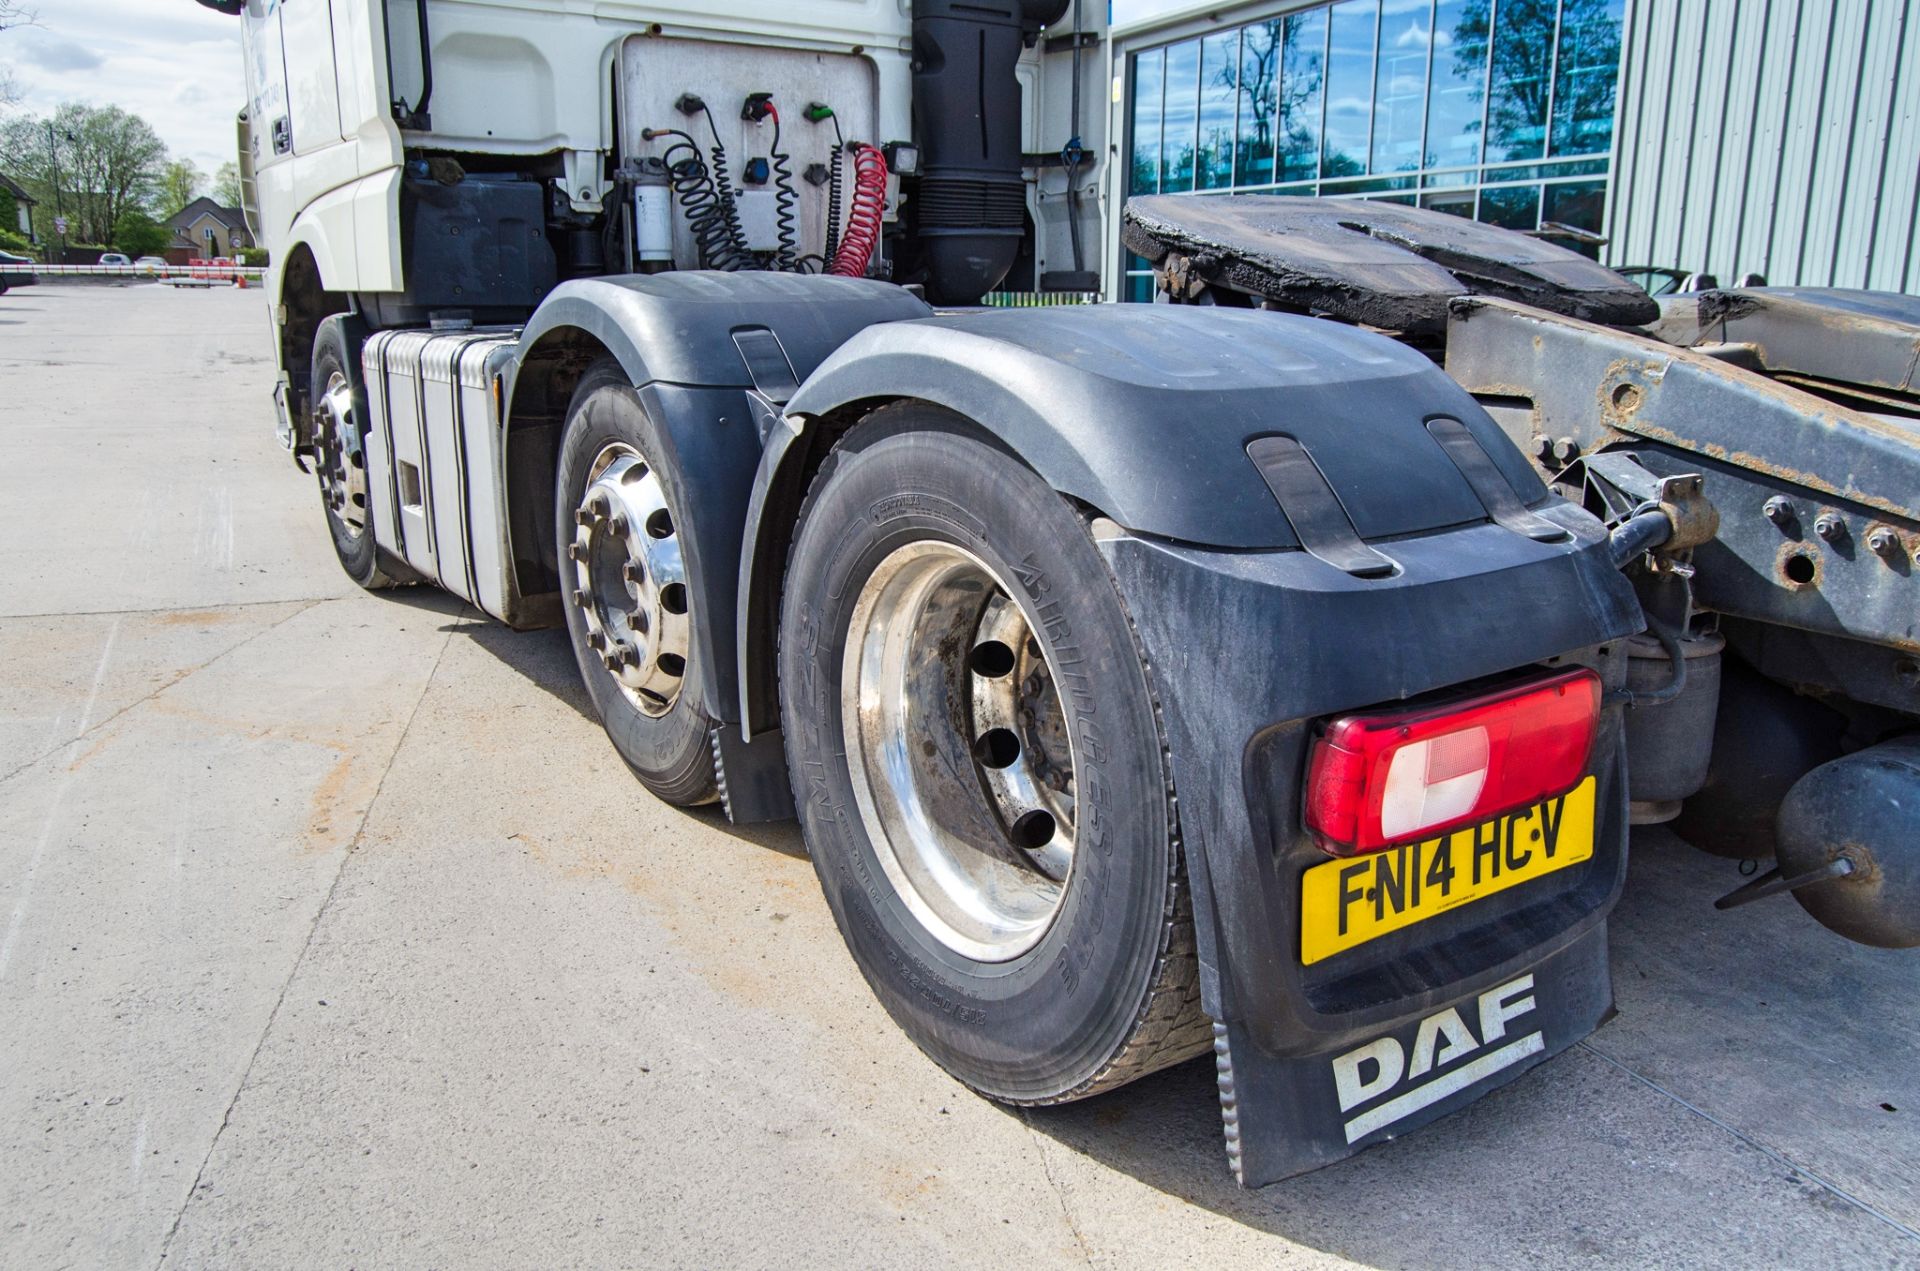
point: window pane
(1343, 150)
(1183, 111)
(1580, 204)
(1522, 66)
(1584, 78)
(1456, 96)
(1140, 288)
(1302, 71)
(1400, 89)
(1453, 202)
(1149, 73)
(1259, 69)
(1219, 87)
(1511, 207)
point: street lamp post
(59, 214)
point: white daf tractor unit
(1148, 681)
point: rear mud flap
(1285, 1115)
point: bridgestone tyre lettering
(672, 754)
(1109, 992)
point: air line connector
(757, 108)
(818, 112)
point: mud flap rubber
(1287, 1115)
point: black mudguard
(713, 356)
(1405, 556)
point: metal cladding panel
(432, 395)
(1773, 137)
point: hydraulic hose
(1645, 529)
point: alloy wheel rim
(958, 746)
(630, 582)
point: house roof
(12, 187)
(231, 217)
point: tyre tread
(1170, 1026)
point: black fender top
(676, 327)
(1145, 412)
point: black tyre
(339, 437)
(623, 581)
(997, 840)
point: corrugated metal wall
(1779, 137)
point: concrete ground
(333, 934)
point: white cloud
(173, 63)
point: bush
(12, 242)
(254, 256)
(138, 234)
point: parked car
(151, 266)
(115, 258)
(16, 271)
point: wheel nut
(1882, 542)
(633, 573)
(1543, 449)
(574, 552)
(1568, 450)
(612, 660)
(617, 525)
(1780, 511)
(579, 598)
(1830, 527)
(596, 641)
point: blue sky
(170, 61)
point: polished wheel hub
(337, 454)
(629, 580)
(959, 752)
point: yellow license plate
(1345, 903)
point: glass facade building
(1500, 110)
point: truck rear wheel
(339, 459)
(625, 584)
(980, 769)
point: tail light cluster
(1381, 778)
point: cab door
(313, 81)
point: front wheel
(980, 770)
(340, 459)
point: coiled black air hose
(710, 213)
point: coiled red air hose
(864, 211)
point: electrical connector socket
(689, 104)
(757, 107)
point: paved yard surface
(332, 934)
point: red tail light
(1383, 778)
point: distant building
(1772, 137)
(24, 202)
(205, 229)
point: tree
(12, 14)
(226, 185)
(138, 234)
(180, 184)
(88, 163)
